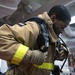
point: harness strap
(44, 32)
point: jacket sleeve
(15, 41)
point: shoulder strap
(44, 32)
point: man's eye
(64, 26)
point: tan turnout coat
(12, 36)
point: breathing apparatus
(66, 51)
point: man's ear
(53, 18)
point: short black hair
(61, 12)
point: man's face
(59, 26)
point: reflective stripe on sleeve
(20, 53)
(45, 65)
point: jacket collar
(49, 22)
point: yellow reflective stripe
(20, 53)
(45, 65)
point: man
(18, 44)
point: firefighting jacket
(15, 40)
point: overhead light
(8, 7)
(72, 20)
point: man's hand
(62, 54)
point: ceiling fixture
(72, 20)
